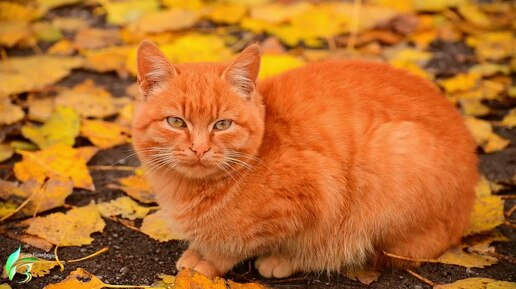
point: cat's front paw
(193, 260)
(274, 266)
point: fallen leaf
(478, 283)
(51, 4)
(474, 107)
(59, 162)
(7, 208)
(488, 210)
(125, 207)
(9, 113)
(229, 13)
(123, 12)
(90, 100)
(156, 226)
(71, 229)
(90, 38)
(273, 64)
(78, 279)
(46, 32)
(166, 20)
(35, 242)
(137, 187)
(189, 278)
(509, 120)
(474, 15)
(363, 276)
(484, 136)
(14, 32)
(21, 74)
(489, 69)
(17, 11)
(69, 23)
(461, 82)
(275, 13)
(493, 45)
(6, 152)
(104, 134)
(457, 256)
(40, 109)
(108, 59)
(62, 47)
(62, 127)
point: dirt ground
(135, 259)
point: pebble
(83, 250)
(418, 287)
(124, 270)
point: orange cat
(319, 168)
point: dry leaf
(78, 279)
(21, 74)
(488, 210)
(62, 47)
(46, 32)
(71, 229)
(461, 82)
(190, 279)
(59, 162)
(14, 32)
(363, 276)
(9, 113)
(6, 152)
(123, 12)
(90, 100)
(69, 23)
(484, 136)
(125, 207)
(40, 109)
(457, 256)
(166, 20)
(156, 226)
(273, 64)
(229, 13)
(108, 59)
(509, 120)
(104, 134)
(137, 187)
(478, 283)
(17, 11)
(89, 38)
(493, 45)
(62, 127)
(51, 4)
(474, 107)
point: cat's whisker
(220, 165)
(241, 163)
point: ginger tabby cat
(319, 168)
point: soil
(135, 259)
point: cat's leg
(208, 264)
(274, 266)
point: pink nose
(200, 151)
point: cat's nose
(200, 151)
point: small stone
(115, 235)
(83, 250)
(56, 277)
(124, 270)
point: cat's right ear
(153, 68)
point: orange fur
(331, 163)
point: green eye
(222, 124)
(176, 122)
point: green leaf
(12, 272)
(10, 262)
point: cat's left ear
(243, 72)
(153, 68)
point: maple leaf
(156, 226)
(61, 127)
(59, 162)
(70, 229)
(104, 134)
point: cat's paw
(193, 260)
(274, 266)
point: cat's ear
(153, 68)
(243, 72)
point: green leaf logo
(10, 270)
(13, 264)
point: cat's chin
(198, 171)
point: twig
(507, 223)
(507, 197)
(421, 278)
(126, 225)
(57, 259)
(509, 213)
(407, 258)
(509, 259)
(112, 168)
(19, 207)
(105, 249)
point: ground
(134, 258)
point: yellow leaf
(493, 45)
(90, 100)
(108, 59)
(41, 268)
(78, 279)
(273, 64)
(473, 14)
(62, 47)
(188, 278)
(137, 187)
(40, 109)
(509, 120)
(487, 214)
(125, 115)
(7, 208)
(193, 5)
(274, 13)
(410, 59)
(229, 13)
(45, 197)
(474, 107)
(51, 4)
(435, 5)
(478, 283)
(104, 134)
(90, 38)
(16, 11)
(167, 20)
(363, 276)
(5, 286)
(156, 226)
(457, 256)
(69, 23)
(192, 47)
(6, 152)
(484, 136)
(14, 32)
(461, 82)
(490, 69)
(62, 127)
(45, 31)
(123, 12)
(21, 74)
(125, 207)
(9, 113)
(60, 162)
(71, 229)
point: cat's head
(200, 120)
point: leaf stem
(421, 278)
(105, 249)
(19, 207)
(57, 259)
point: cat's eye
(176, 122)
(222, 124)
